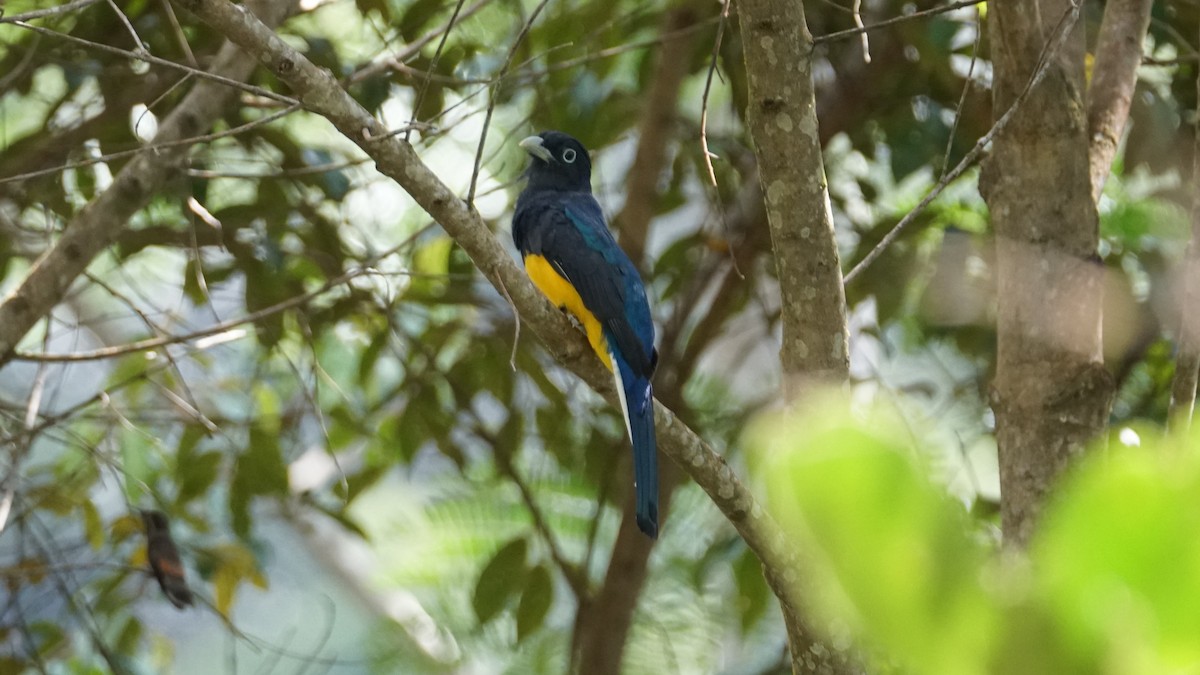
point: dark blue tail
(638, 398)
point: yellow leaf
(124, 527)
(92, 525)
(235, 563)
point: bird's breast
(562, 293)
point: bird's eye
(569, 156)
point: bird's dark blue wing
(566, 231)
(569, 231)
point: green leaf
(92, 525)
(259, 471)
(535, 601)
(48, 636)
(265, 459)
(357, 482)
(1120, 560)
(196, 476)
(234, 564)
(753, 596)
(892, 557)
(135, 463)
(130, 636)
(500, 579)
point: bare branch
(173, 143)
(215, 329)
(781, 117)
(141, 55)
(41, 13)
(1118, 54)
(1045, 59)
(397, 160)
(851, 32)
(98, 224)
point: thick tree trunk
(396, 159)
(782, 120)
(1051, 395)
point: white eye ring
(569, 156)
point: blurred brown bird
(164, 559)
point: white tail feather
(621, 393)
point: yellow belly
(563, 294)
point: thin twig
(41, 13)
(570, 571)
(1059, 37)
(712, 69)
(850, 32)
(19, 450)
(962, 99)
(215, 329)
(437, 56)
(491, 108)
(154, 60)
(156, 146)
(1187, 362)
(137, 39)
(177, 30)
(18, 71)
(412, 48)
(856, 12)
(512, 358)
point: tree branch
(321, 94)
(99, 223)
(782, 120)
(1187, 363)
(1051, 394)
(1114, 75)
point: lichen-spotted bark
(782, 119)
(1051, 395)
(783, 124)
(322, 94)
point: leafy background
(375, 480)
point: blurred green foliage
(1108, 586)
(388, 408)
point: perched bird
(572, 257)
(164, 559)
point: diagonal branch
(1118, 55)
(396, 159)
(99, 223)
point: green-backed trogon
(572, 257)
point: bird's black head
(559, 162)
(154, 521)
